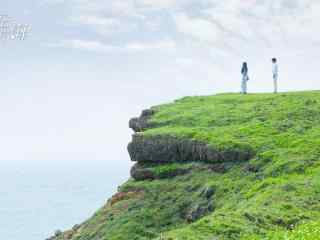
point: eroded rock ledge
(146, 148)
(167, 149)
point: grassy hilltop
(237, 167)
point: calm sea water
(37, 198)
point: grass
(273, 196)
(307, 231)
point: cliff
(218, 167)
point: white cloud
(93, 46)
(158, 3)
(231, 25)
(185, 62)
(95, 20)
(104, 26)
(158, 45)
(97, 46)
(198, 28)
(252, 25)
(52, 2)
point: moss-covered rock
(146, 171)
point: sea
(39, 197)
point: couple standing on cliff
(245, 76)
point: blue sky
(69, 89)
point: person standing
(275, 74)
(245, 78)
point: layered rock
(142, 172)
(145, 148)
(164, 149)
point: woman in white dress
(245, 78)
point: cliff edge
(218, 167)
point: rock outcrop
(145, 148)
(164, 149)
(141, 172)
(141, 123)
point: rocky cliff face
(169, 149)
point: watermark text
(11, 30)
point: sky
(68, 90)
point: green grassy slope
(275, 195)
